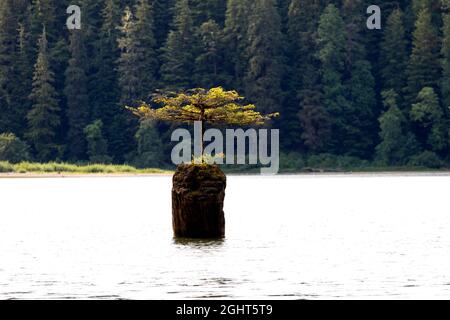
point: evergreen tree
(97, 144)
(445, 62)
(428, 116)
(43, 118)
(163, 15)
(146, 43)
(22, 79)
(128, 63)
(397, 143)
(137, 64)
(331, 53)
(149, 150)
(235, 38)
(394, 56)
(361, 118)
(303, 85)
(424, 66)
(43, 15)
(205, 10)
(179, 52)
(8, 41)
(104, 92)
(265, 64)
(210, 61)
(77, 97)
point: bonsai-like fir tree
(214, 106)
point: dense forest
(347, 95)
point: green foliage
(149, 151)
(265, 71)
(429, 118)
(292, 161)
(445, 62)
(66, 168)
(312, 60)
(424, 67)
(303, 18)
(394, 56)
(76, 93)
(137, 64)
(179, 51)
(333, 162)
(426, 159)
(146, 44)
(13, 149)
(8, 40)
(128, 64)
(397, 143)
(235, 37)
(97, 144)
(331, 53)
(210, 61)
(43, 118)
(215, 106)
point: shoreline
(68, 175)
(32, 175)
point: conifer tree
(265, 64)
(424, 65)
(43, 118)
(149, 150)
(146, 42)
(105, 93)
(43, 15)
(128, 63)
(22, 78)
(445, 62)
(137, 64)
(163, 15)
(8, 41)
(235, 38)
(97, 144)
(205, 10)
(361, 119)
(394, 56)
(397, 143)
(210, 61)
(179, 51)
(331, 53)
(77, 97)
(428, 116)
(303, 85)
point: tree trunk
(197, 202)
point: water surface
(296, 237)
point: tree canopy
(214, 106)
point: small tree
(97, 144)
(215, 106)
(149, 150)
(13, 149)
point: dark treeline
(343, 91)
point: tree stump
(198, 196)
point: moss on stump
(198, 196)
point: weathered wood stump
(198, 196)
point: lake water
(307, 237)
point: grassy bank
(51, 168)
(66, 168)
